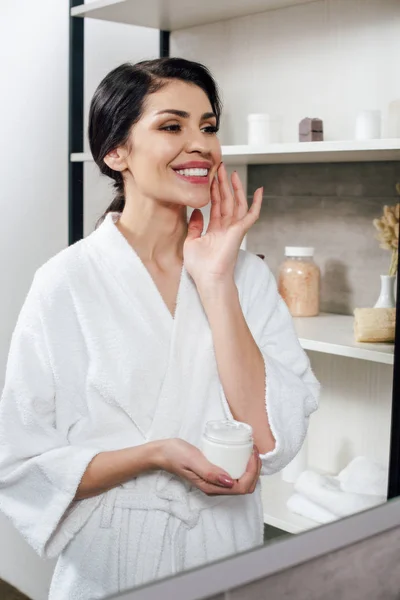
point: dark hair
(118, 103)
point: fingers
(254, 211)
(213, 482)
(209, 472)
(256, 478)
(215, 211)
(241, 207)
(227, 199)
(195, 225)
(248, 482)
(226, 204)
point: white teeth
(193, 172)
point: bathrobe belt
(184, 507)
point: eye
(210, 129)
(173, 128)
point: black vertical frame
(75, 128)
(164, 43)
(394, 460)
(75, 119)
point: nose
(197, 141)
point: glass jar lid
(228, 432)
(299, 251)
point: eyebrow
(184, 114)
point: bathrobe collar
(133, 276)
(184, 341)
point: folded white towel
(364, 476)
(301, 505)
(325, 491)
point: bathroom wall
(330, 207)
(327, 59)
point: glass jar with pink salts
(299, 281)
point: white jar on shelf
(259, 130)
(368, 125)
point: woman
(132, 338)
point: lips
(192, 176)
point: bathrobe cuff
(289, 402)
(38, 498)
(291, 388)
(40, 470)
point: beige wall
(330, 207)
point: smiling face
(174, 150)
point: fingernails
(225, 480)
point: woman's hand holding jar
(185, 460)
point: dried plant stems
(388, 232)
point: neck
(156, 231)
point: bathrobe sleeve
(39, 471)
(291, 388)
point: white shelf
(275, 493)
(170, 15)
(302, 152)
(315, 152)
(333, 334)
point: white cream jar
(228, 444)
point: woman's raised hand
(185, 460)
(211, 258)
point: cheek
(156, 152)
(217, 152)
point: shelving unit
(175, 14)
(275, 493)
(326, 334)
(302, 152)
(333, 334)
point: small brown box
(311, 130)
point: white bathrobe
(98, 363)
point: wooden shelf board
(170, 15)
(333, 334)
(302, 152)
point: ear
(116, 159)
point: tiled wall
(330, 207)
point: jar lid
(258, 117)
(233, 432)
(299, 251)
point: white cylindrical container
(368, 125)
(299, 464)
(228, 444)
(258, 132)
